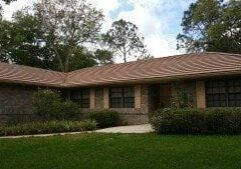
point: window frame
(123, 100)
(226, 94)
(82, 99)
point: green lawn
(123, 151)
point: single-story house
(134, 89)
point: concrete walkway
(145, 128)
(46, 135)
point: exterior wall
(15, 103)
(92, 98)
(106, 98)
(170, 90)
(190, 87)
(137, 115)
(99, 98)
(200, 93)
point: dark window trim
(81, 100)
(226, 92)
(123, 103)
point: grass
(121, 151)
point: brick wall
(137, 115)
(200, 94)
(170, 90)
(190, 88)
(15, 103)
(99, 98)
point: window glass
(122, 97)
(225, 93)
(81, 97)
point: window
(225, 93)
(234, 93)
(82, 97)
(122, 97)
(216, 94)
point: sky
(158, 20)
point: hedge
(47, 127)
(48, 105)
(105, 118)
(197, 121)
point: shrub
(67, 109)
(48, 105)
(196, 121)
(178, 121)
(181, 97)
(105, 118)
(224, 121)
(47, 127)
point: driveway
(145, 128)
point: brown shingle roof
(188, 65)
(12, 73)
(181, 66)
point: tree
(34, 38)
(68, 22)
(21, 42)
(212, 25)
(123, 40)
(104, 56)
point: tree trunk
(125, 55)
(125, 58)
(59, 59)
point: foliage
(48, 105)
(104, 56)
(47, 127)
(105, 118)
(69, 22)
(224, 121)
(81, 58)
(212, 25)
(67, 109)
(124, 40)
(33, 37)
(181, 98)
(21, 42)
(195, 121)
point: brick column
(106, 98)
(200, 94)
(138, 96)
(92, 98)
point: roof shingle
(12, 73)
(188, 65)
(192, 65)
